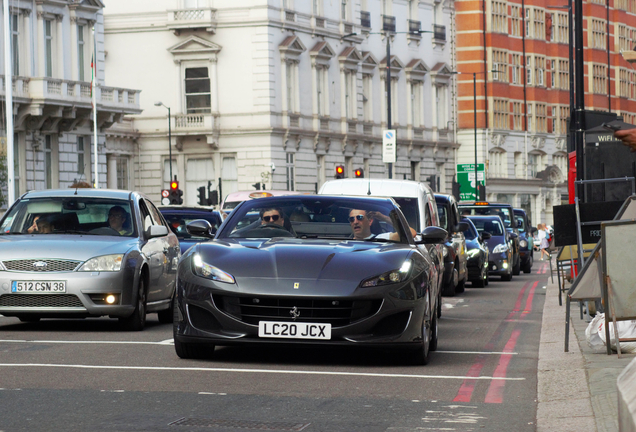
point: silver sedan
(87, 253)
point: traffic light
(203, 199)
(176, 195)
(340, 171)
(165, 196)
(359, 173)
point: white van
(416, 200)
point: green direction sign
(466, 180)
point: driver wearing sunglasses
(361, 221)
(272, 216)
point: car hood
(71, 247)
(312, 264)
(494, 241)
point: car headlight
(473, 253)
(208, 271)
(523, 243)
(104, 263)
(500, 248)
(390, 277)
(445, 251)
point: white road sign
(389, 152)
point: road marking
(170, 342)
(496, 388)
(255, 371)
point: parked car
(478, 254)
(526, 240)
(417, 202)
(506, 213)
(235, 198)
(79, 253)
(499, 245)
(179, 216)
(259, 282)
(455, 260)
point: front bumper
(500, 264)
(221, 314)
(84, 296)
(475, 265)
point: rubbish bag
(626, 330)
(591, 332)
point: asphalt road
(86, 375)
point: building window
(540, 120)
(501, 111)
(551, 64)
(122, 173)
(529, 70)
(198, 173)
(229, 175)
(539, 71)
(322, 95)
(48, 162)
(564, 114)
(539, 24)
(527, 22)
(519, 165)
(500, 64)
(80, 52)
(497, 165)
(517, 69)
(564, 74)
(15, 44)
(417, 102)
(599, 77)
(561, 34)
(289, 171)
(197, 90)
(350, 94)
(515, 21)
(499, 17)
(317, 7)
(367, 97)
(517, 116)
(561, 161)
(598, 34)
(48, 47)
(535, 162)
(441, 93)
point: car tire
(461, 286)
(516, 269)
(449, 288)
(479, 283)
(528, 267)
(166, 316)
(187, 350)
(421, 355)
(137, 320)
(439, 305)
(433, 344)
(487, 280)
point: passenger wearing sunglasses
(272, 216)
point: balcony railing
(439, 32)
(185, 124)
(192, 19)
(365, 19)
(414, 26)
(388, 23)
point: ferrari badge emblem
(296, 285)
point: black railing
(365, 19)
(388, 23)
(439, 32)
(414, 26)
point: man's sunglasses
(353, 218)
(273, 218)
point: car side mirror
(156, 231)
(485, 235)
(200, 228)
(461, 227)
(433, 235)
(513, 235)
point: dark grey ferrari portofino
(308, 269)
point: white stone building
(258, 84)
(52, 45)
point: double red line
(496, 388)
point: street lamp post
(169, 136)
(388, 75)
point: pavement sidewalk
(576, 390)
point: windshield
(493, 226)
(179, 221)
(443, 216)
(470, 233)
(63, 215)
(521, 223)
(410, 210)
(502, 212)
(316, 217)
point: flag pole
(94, 94)
(8, 84)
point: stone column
(111, 171)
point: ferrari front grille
(43, 265)
(338, 313)
(41, 300)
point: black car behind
(455, 272)
(526, 241)
(179, 216)
(477, 252)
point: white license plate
(38, 287)
(294, 330)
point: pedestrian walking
(543, 240)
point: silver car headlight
(523, 243)
(208, 271)
(390, 277)
(104, 263)
(473, 253)
(500, 248)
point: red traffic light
(339, 171)
(359, 173)
(174, 185)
